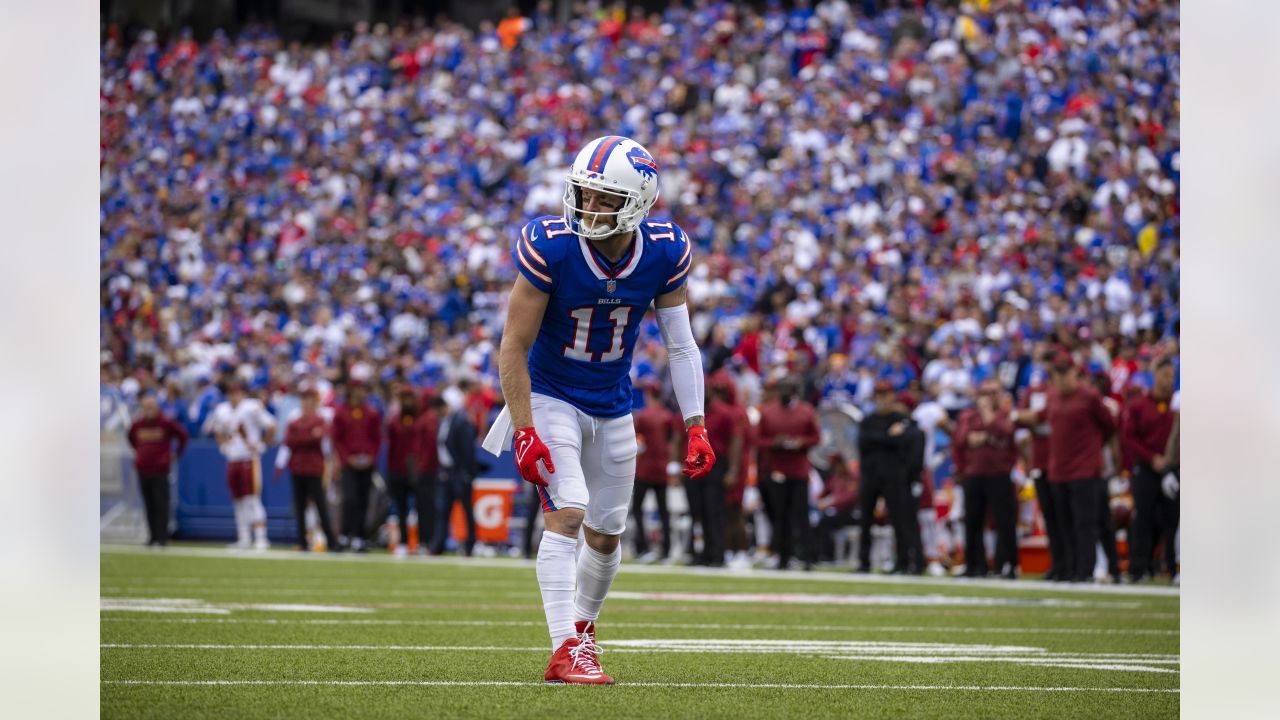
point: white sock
(595, 575)
(555, 579)
(242, 521)
(259, 515)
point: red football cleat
(576, 661)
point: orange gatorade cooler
(492, 500)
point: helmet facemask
(624, 219)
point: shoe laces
(584, 655)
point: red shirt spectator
(402, 441)
(357, 430)
(1148, 422)
(480, 400)
(1079, 423)
(984, 445)
(656, 427)
(746, 431)
(749, 344)
(789, 430)
(840, 491)
(305, 439)
(152, 437)
(722, 426)
(1123, 368)
(427, 434)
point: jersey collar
(600, 271)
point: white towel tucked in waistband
(500, 434)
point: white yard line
(778, 686)
(193, 605)
(876, 599)
(530, 592)
(783, 575)
(858, 651)
(530, 589)
(805, 647)
(426, 581)
(867, 650)
(215, 646)
(673, 626)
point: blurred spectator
(883, 448)
(172, 403)
(1171, 485)
(207, 398)
(426, 479)
(402, 462)
(1079, 424)
(837, 505)
(789, 429)
(658, 432)
(307, 442)
(738, 471)
(1107, 565)
(357, 438)
(929, 416)
(723, 429)
(457, 448)
(511, 27)
(984, 457)
(112, 408)
(1147, 431)
(1034, 442)
(920, 492)
(152, 437)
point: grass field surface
(199, 632)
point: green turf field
(203, 633)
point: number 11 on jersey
(582, 334)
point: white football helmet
(617, 165)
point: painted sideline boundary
(969, 630)
(501, 683)
(754, 574)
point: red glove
(701, 457)
(529, 449)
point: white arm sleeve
(282, 457)
(684, 358)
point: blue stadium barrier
(204, 502)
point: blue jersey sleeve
(530, 260)
(680, 253)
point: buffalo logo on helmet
(641, 161)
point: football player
(585, 281)
(242, 426)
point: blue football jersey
(583, 351)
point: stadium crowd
(920, 197)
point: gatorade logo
(489, 511)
